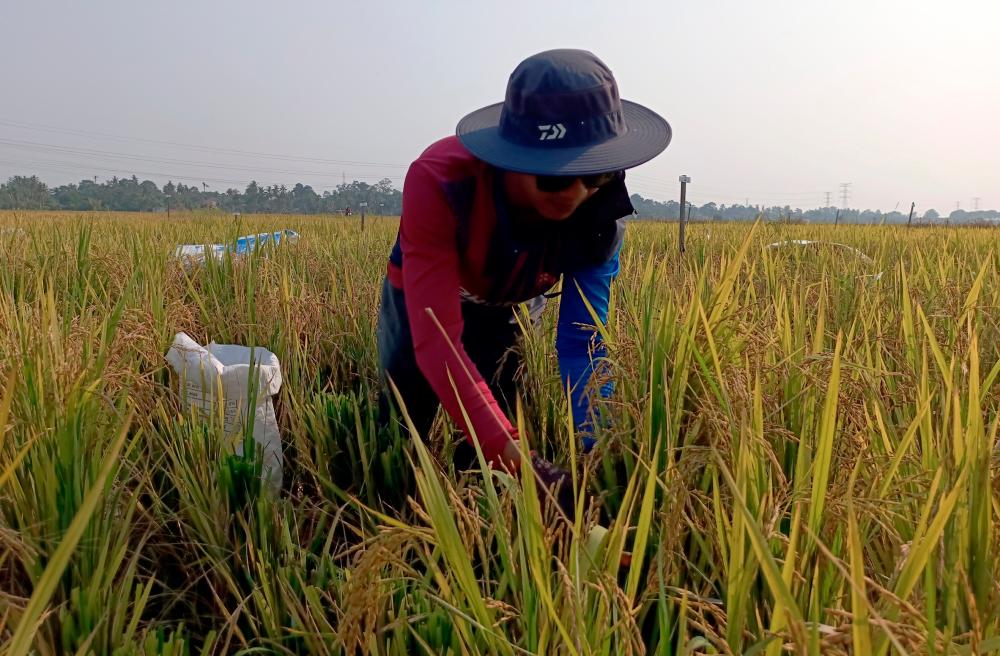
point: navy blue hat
(562, 116)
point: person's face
(522, 190)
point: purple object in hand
(558, 482)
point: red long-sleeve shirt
(454, 244)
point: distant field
(800, 455)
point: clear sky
(771, 101)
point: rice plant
(799, 454)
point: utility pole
(836, 219)
(684, 180)
(909, 221)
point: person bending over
(528, 191)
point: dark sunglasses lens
(552, 183)
(599, 180)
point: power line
(650, 182)
(660, 185)
(744, 193)
(79, 167)
(89, 152)
(66, 167)
(202, 148)
(796, 196)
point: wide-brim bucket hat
(562, 115)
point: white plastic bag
(207, 371)
(195, 253)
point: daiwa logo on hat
(557, 131)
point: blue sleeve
(575, 335)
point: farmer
(530, 190)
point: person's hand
(510, 457)
(555, 484)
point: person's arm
(575, 334)
(431, 288)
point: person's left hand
(556, 484)
(510, 457)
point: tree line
(131, 195)
(648, 208)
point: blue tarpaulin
(241, 246)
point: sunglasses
(554, 183)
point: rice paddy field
(799, 457)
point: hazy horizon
(771, 103)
